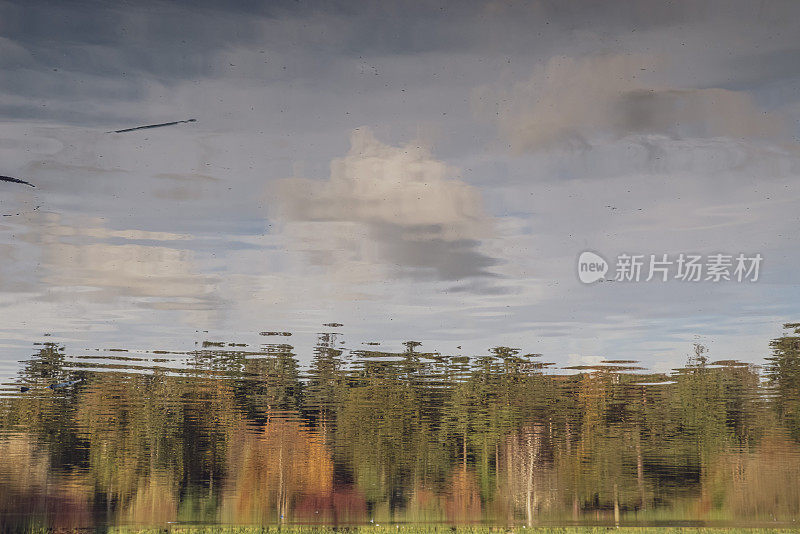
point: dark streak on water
(236, 434)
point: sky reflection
(414, 172)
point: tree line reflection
(228, 435)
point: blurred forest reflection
(224, 434)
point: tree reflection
(229, 435)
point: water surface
(192, 192)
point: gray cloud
(580, 102)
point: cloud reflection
(401, 208)
(103, 264)
(580, 102)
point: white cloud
(83, 256)
(393, 206)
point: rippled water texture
(382, 265)
(235, 434)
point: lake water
(454, 263)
